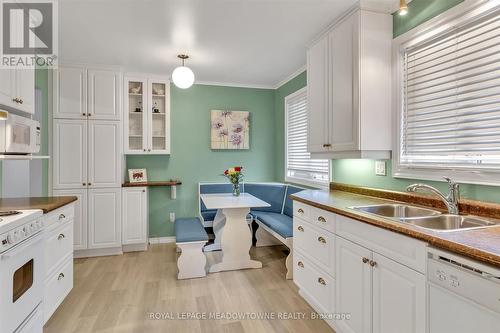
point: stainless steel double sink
(426, 218)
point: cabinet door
(159, 117)
(344, 130)
(80, 219)
(7, 87)
(104, 153)
(135, 115)
(354, 288)
(70, 92)
(70, 154)
(317, 97)
(104, 94)
(398, 297)
(25, 88)
(104, 218)
(134, 215)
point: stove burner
(9, 212)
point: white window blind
(299, 165)
(451, 99)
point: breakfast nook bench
(190, 237)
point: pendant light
(183, 76)
(403, 8)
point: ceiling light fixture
(403, 8)
(183, 76)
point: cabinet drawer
(58, 245)
(402, 249)
(317, 285)
(57, 287)
(316, 243)
(60, 215)
(301, 210)
(323, 219)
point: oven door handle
(21, 247)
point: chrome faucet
(450, 200)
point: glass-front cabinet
(147, 118)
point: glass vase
(236, 190)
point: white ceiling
(242, 42)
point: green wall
(420, 11)
(191, 159)
(298, 82)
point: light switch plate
(380, 169)
(172, 217)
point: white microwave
(19, 135)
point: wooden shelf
(153, 183)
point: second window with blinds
(300, 168)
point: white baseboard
(162, 240)
(112, 251)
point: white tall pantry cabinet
(87, 153)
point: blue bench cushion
(212, 188)
(273, 194)
(288, 209)
(189, 230)
(280, 223)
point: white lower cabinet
(104, 218)
(135, 217)
(80, 220)
(347, 276)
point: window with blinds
(300, 167)
(451, 99)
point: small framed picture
(137, 175)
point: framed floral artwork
(230, 129)
(137, 175)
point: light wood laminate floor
(119, 294)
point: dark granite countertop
(47, 204)
(479, 244)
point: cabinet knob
(373, 263)
(300, 211)
(321, 240)
(84, 184)
(322, 281)
(299, 228)
(61, 236)
(61, 276)
(89, 184)
(90, 114)
(15, 100)
(321, 219)
(143, 191)
(61, 216)
(327, 145)
(300, 264)
(84, 114)
(20, 101)
(149, 149)
(365, 260)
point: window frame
(458, 15)
(297, 180)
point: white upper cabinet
(104, 94)
(349, 88)
(87, 93)
(17, 89)
(147, 116)
(70, 92)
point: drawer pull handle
(299, 228)
(321, 219)
(61, 236)
(20, 101)
(300, 211)
(300, 264)
(373, 263)
(365, 260)
(61, 216)
(327, 145)
(61, 276)
(321, 240)
(322, 281)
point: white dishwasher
(464, 296)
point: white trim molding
(290, 77)
(161, 240)
(441, 24)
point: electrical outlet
(380, 169)
(172, 217)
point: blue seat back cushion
(273, 194)
(213, 188)
(288, 210)
(189, 230)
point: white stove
(21, 271)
